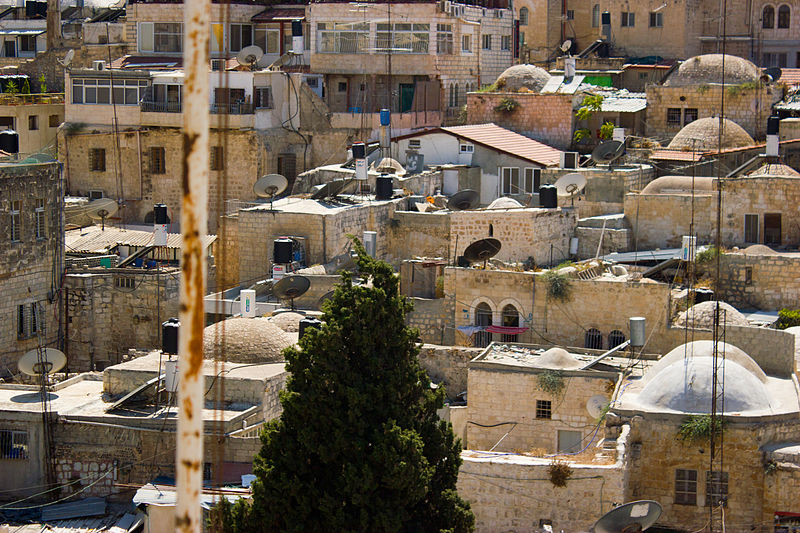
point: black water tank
(703, 295)
(462, 261)
(282, 251)
(384, 188)
(548, 196)
(359, 151)
(773, 125)
(160, 214)
(9, 141)
(169, 335)
(308, 323)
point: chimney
(53, 24)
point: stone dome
(558, 359)
(678, 185)
(245, 340)
(702, 316)
(390, 166)
(703, 134)
(707, 68)
(759, 249)
(518, 76)
(774, 170)
(289, 321)
(504, 202)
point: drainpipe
(194, 213)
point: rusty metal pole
(189, 454)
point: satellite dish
(607, 152)
(249, 56)
(67, 58)
(566, 45)
(466, 199)
(270, 186)
(46, 361)
(596, 404)
(569, 185)
(101, 209)
(482, 250)
(629, 518)
(773, 74)
(291, 287)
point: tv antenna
(291, 287)
(631, 517)
(67, 58)
(570, 185)
(270, 186)
(482, 250)
(249, 56)
(464, 199)
(101, 209)
(607, 152)
(42, 362)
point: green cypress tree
(359, 446)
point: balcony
(234, 108)
(161, 107)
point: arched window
(483, 317)
(510, 320)
(768, 18)
(615, 338)
(491, 230)
(523, 16)
(783, 17)
(593, 339)
(452, 100)
(596, 16)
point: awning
(279, 15)
(506, 330)
(22, 32)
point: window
(491, 230)
(7, 123)
(125, 282)
(216, 159)
(685, 487)
(16, 227)
(674, 116)
(487, 42)
(593, 339)
(414, 144)
(505, 42)
(287, 166)
(748, 275)
(523, 16)
(716, 489)
(570, 14)
(656, 20)
(444, 39)
(342, 86)
(343, 37)
(510, 180)
(466, 43)
(774, 59)
(241, 36)
(13, 444)
(163, 37)
(615, 338)
(751, 228)
(263, 97)
(41, 223)
(403, 38)
(466, 148)
(544, 409)
(596, 16)
(27, 320)
(510, 320)
(627, 20)
(27, 43)
(533, 180)
(268, 39)
(97, 159)
(158, 163)
(54, 121)
(98, 91)
(33, 122)
(768, 18)
(95, 194)
(483, 317)
(772, 229)
(689, 115)
(569, 441)
(783, 17)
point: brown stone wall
(773, 281)
(449, 365)
(431, 318)
(418, 234)
(660, 220)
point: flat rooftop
(150, 363)
(333, 206)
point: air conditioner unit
(99, 65)
(569, 159)
(217, 65)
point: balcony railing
(161, 107)
(232, 108)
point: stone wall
(411, 234)
(768, 282)
(660, 220)
(448, 365)
(431, 318)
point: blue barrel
(386, 117)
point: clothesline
(505, 330)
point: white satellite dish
(101, 209)
(570, 185)
(270, 185)
(67, 58)
(249, 56)
(566, 45)
(36, 363)
(596, 404)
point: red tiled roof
(676, 155)
(790, 76)
(279, 15)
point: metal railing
(161, 107)
(235, 108)
(216, 108)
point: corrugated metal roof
(643, 255)
(512, 143)
(94, 240)
(161, 495)
(556, 84)
(21, 32)
(614, 104)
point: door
(10, 49)
(483, 317)
(569, 441)
(772, 228)
(406, 97)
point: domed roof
(245, 340)
(775, 170)
(702, 316)
(678, 185)
(518, 76)
(759, 249)
(558, 358)
(703, 134)
(289, 321)
(707, 68)
(390, 166)
(504, 202)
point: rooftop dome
(702, 316)
(775, 170)
(390, 166)
(519, 76)
(289, 321)
(504, 202)
(245, 340)
(707, 68)
(558, 358)
(703, 134)
(759, 249)
(678, 185)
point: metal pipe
(194, 213)
(599, 358)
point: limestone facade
(760, 281)
(35, 117)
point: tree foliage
(359, 446)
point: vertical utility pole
(194, 212)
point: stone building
(31, 259)
(35, 117)
(758, 277)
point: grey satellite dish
(629, 518)
(270, 186)
(466, 199)
(249, 56)
(482, 250)
(569, 185)
(67, 58)
(36, 363)
(596, 404)
(101, 209)
(566, 45)
(291, 287)
(607, 152)
(772, 74)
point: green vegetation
(506, 105)
(11, 87)
(42, 84)
(706, 256)
(736, 90)
(551, 382)
(696, 429)
(788, 318)
(488, 88)
(559, 286)
(592, 103)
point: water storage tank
(9, 141)
(307, 323)
(384, 188)
(548, 196)
(703, 295)
(171, 375)
(169, 335)
(637, 325)
(282, 251)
